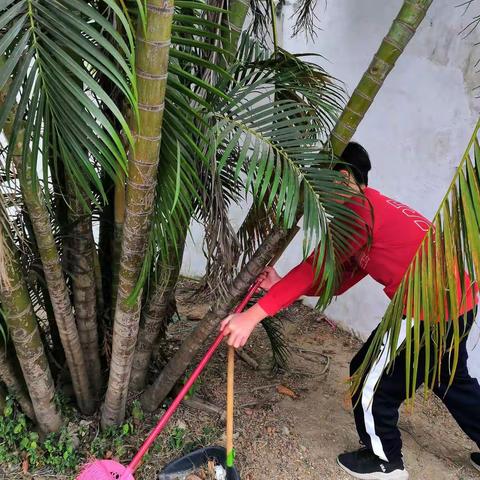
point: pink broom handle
(174, 405)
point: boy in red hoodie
(385, 244)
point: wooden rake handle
(231, 362)
(229, 417)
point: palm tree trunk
(82, 270)
(119, 218)
(151, 69)
(401, 32)
(54, 277)
(155, 315)
(156, 393)
(23, 329)
(15, 385)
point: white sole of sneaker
(474, 465)
(395, 475)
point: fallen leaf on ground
(283, 390)
(25, 466)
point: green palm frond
(281, 141)
(300, 84)
(435, 288)
(279, 345)
(53, 53)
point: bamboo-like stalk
(153, 45)
(23, 330)
(237, 12)
(82, 268)
(57, 287)
(157, 392)
(15, 385)
(401, 32)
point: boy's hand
(268, 278)
(238, 327)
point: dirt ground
(291, 425)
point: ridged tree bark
(11, 377)
(401, 32)
(156, 393)
(151, 69)
(82, 272)
(23, 329)
(155, 316)
(52, 268)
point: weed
(176, 440)
(15, 438)
(59, 452)
(18, 441)
(207, 437)
(137, 412)
(111, 442)
(194, 388)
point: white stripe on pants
(368, 392)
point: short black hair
(355, 158)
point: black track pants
(376, 411)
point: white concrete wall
(416, 130)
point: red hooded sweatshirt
(396, 232)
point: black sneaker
(365, 464)
(475, 459)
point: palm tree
(401, 32)
(261, 229)
(13, 381)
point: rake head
(105, 470)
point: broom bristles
(104, 470)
